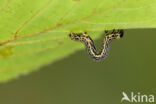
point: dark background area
(77, 79)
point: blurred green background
(77, 79)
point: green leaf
(34, 33)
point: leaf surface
(34, 33)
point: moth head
(116, 35)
